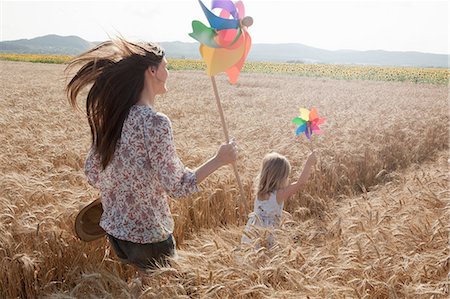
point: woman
(133, 160)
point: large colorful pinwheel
(308, 122)
(224, 45)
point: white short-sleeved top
(266, 213)
(134, 186)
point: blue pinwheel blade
(216, 22)
(300, 129)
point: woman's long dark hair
(116, 70)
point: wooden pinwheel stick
(227, 138)
(311, 146)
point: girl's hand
(227, 153)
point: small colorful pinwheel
(226, 44)
(308, 122)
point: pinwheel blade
(321, 121)
(301, 129)
(308, 132)
(298, 121)
(226, 5)
(318, 121)
(228, 38)
(203, 34)
(240, 9)
(220, 59)
(313, 114)
(216, 22)
(234, 71)
(316, 129)
(304, 114)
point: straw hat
(87, 223)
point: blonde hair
(274, 174)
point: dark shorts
(144, 256)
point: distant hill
(293, 53)
(49, 44)
(299, 53)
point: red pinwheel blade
(229, 38)
(318, 121)
(234, 71)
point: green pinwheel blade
(298, 121)
(203, 34)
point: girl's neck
(264, 196)
(147, 97)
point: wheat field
(372, 222)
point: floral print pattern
(266, 214)
(136, 183)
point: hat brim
(87, 222)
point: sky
(394, 25)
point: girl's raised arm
(293, 188)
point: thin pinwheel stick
(227, 138)
(311, 146)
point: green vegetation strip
(342, 72)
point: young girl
(133, 160)
(273, 190)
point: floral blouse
(134, 186)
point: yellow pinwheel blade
(220, 59)
(304, 114)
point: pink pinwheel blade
(318, 132)
(240, 9)
(224, 14)
(316, 129)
